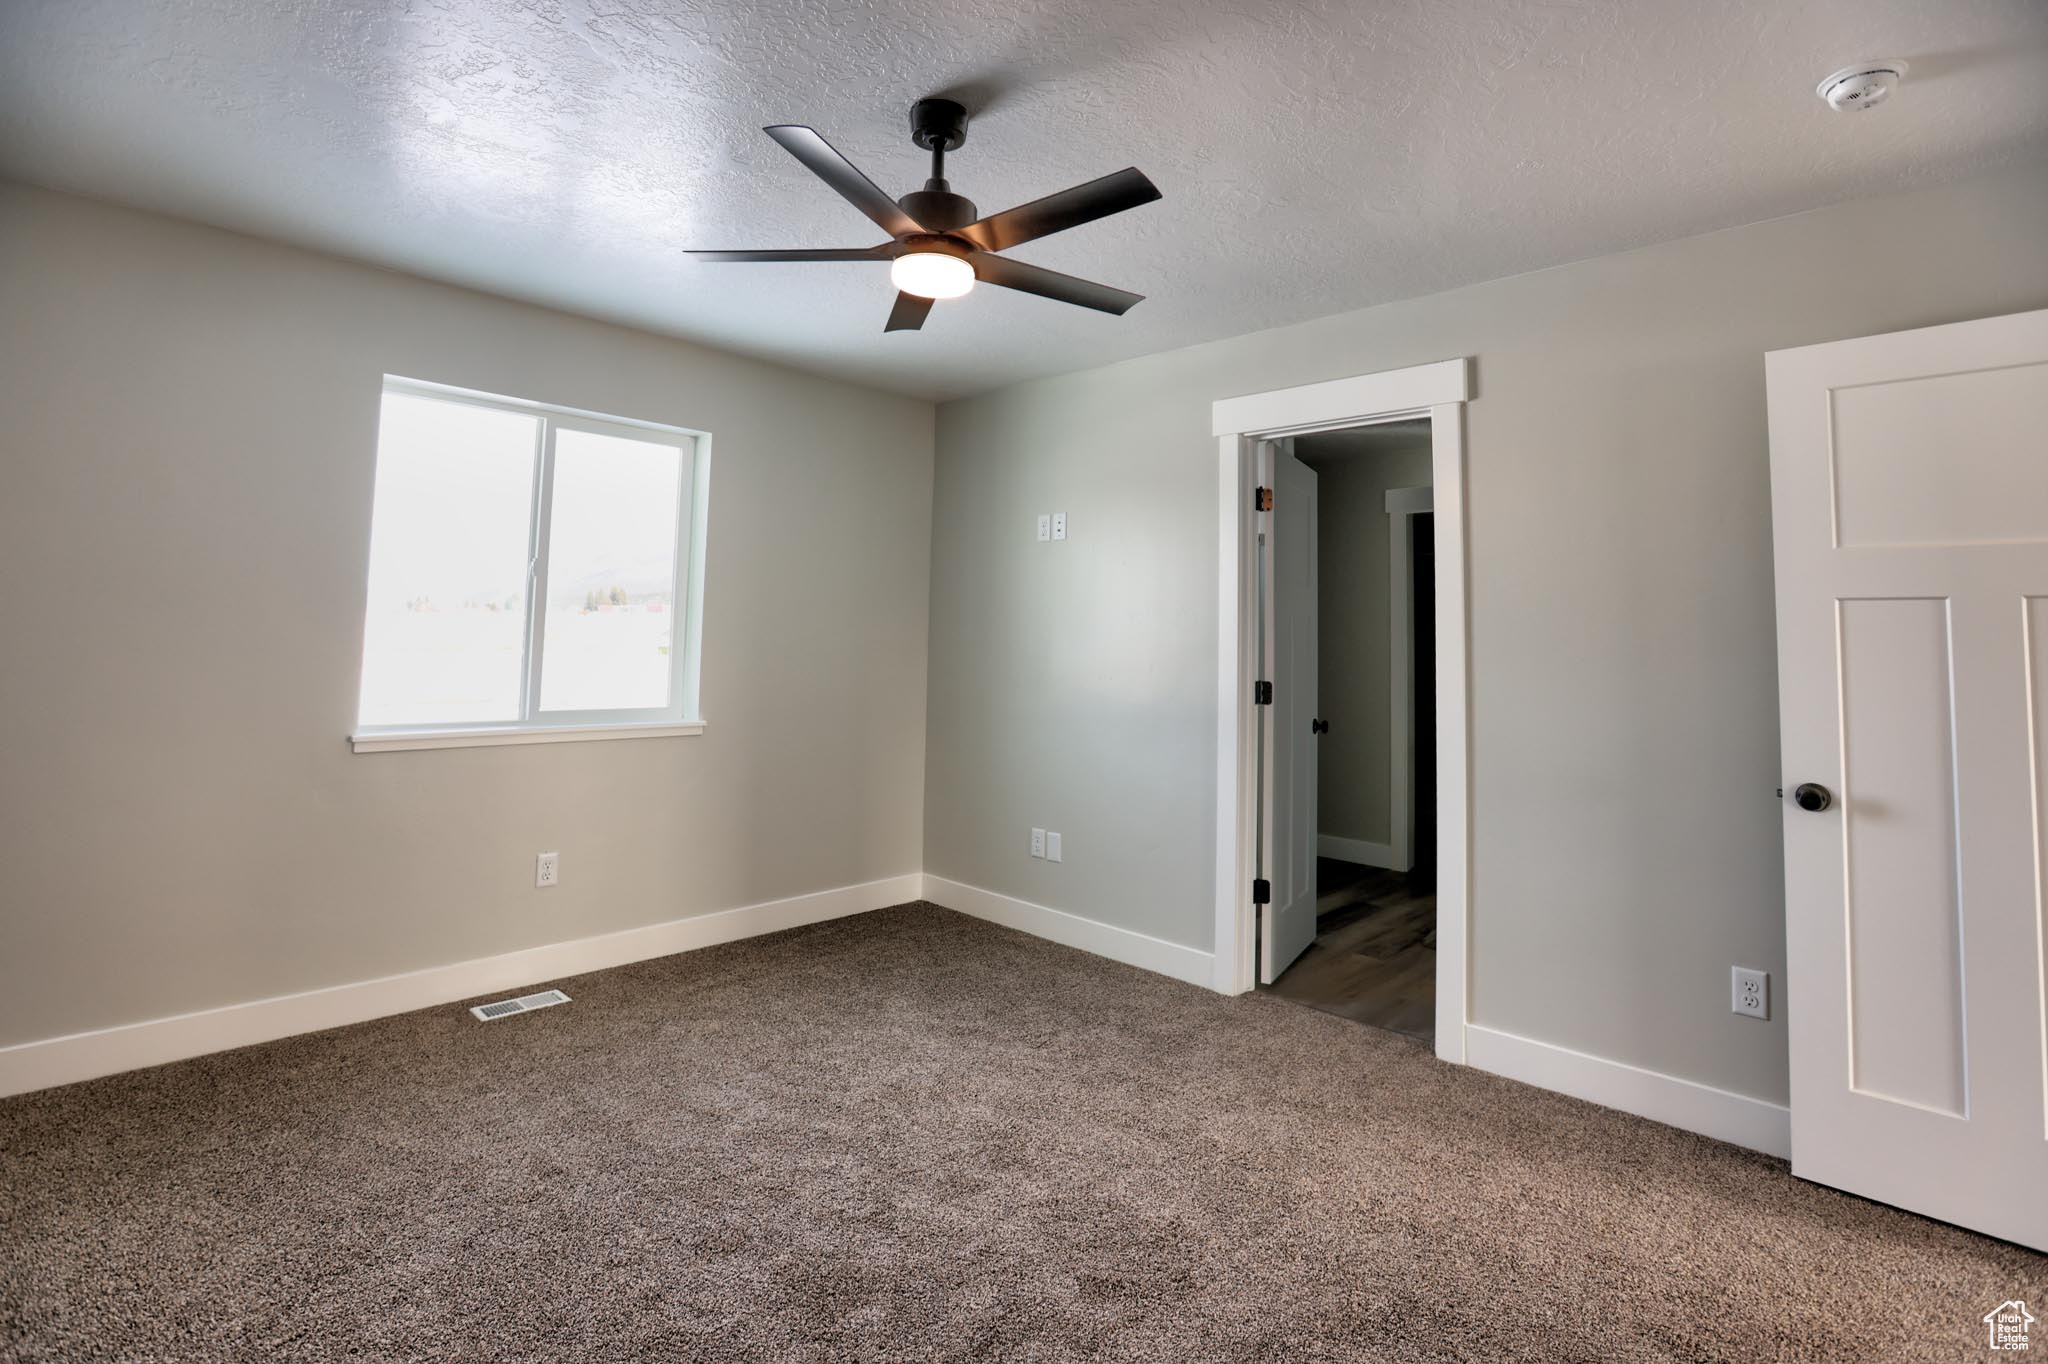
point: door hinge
(1262, 693)
(1262, 892)
(1263, 500)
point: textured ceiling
(1315, 157)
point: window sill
(487, 738)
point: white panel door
(1288, 925)
(1909, 486)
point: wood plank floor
(1374, 957)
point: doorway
(1370, 750)
(1267, 846)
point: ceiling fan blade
(1032, 279)
(1127, 188)
(908, 314)
(801, 253)
(828, 165)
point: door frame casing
(1403, 506)
(1439, 392)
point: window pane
(445, 639)
(611, 573)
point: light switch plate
(1052, 846)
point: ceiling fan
(938, 247)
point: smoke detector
(1861, 86)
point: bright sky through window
(485, 507)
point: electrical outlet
(1052, 846)
(1059, 525)
(1038, 842)
(547, 869)
(1752, 993)
(1044, 527)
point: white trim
(686, 584)
(82, 1056)
(1403, 505)
(1237, 728)
(1718, 1113)
(391, 741)
(1409, 501)
(477, 397)
(1357, 850)
(1266, 456)
(1342, 402)
(1453, 733)
(1400, 688)
(1437, 391)
(540, 543)
(1090, 935)
(36, 1065)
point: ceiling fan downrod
(938, 126)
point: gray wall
(1626, 841)
(1354, 615)
(189, 437)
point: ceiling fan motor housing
(938, 124)
(939, 243)
(938, 209)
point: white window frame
(683, 715)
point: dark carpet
(914, 1136)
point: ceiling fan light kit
(938, 245)
(932, 274)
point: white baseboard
(1718, 1113)
(1090, 935)
(26, 1066)
(1356, 850)
(82, 1056)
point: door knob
(1811, 795)
(1319, 726)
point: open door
(1287, 925)
(1909, 488)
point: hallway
(1374, 958)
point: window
(534, 573)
